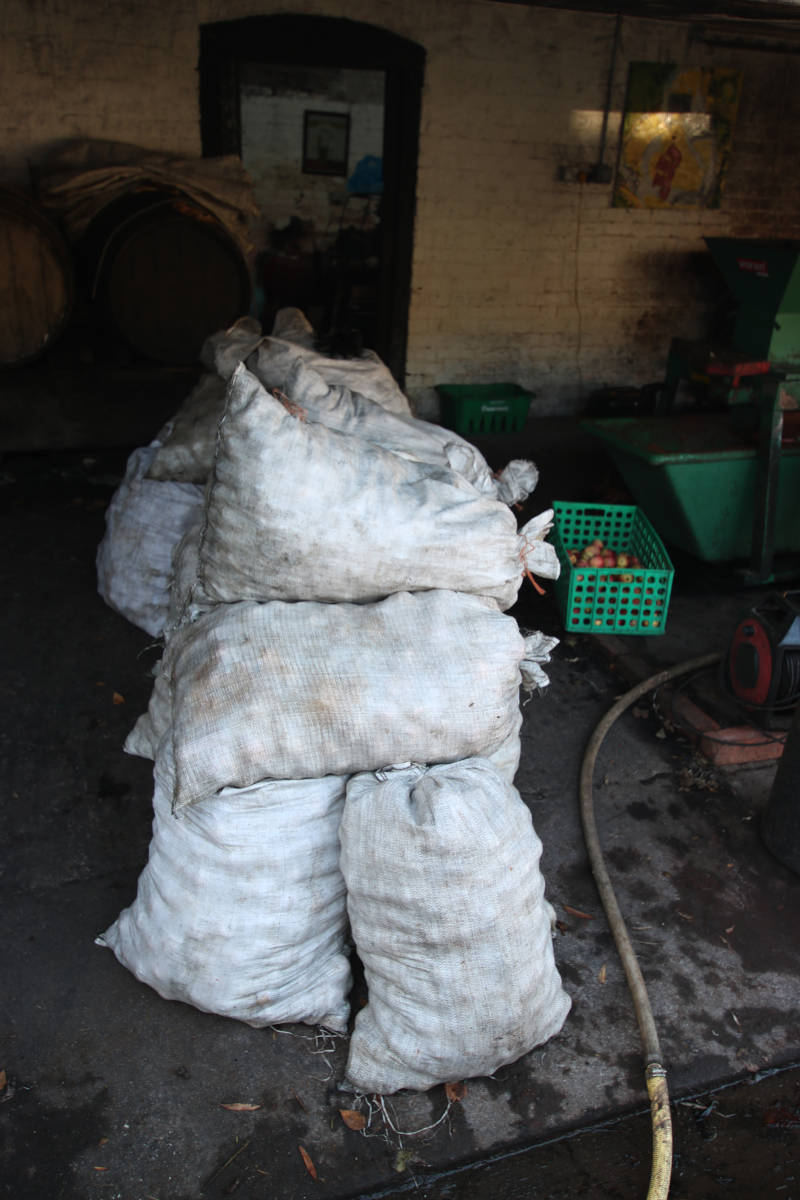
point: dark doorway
(354, 266)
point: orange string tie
(535, 583)
(527, 572)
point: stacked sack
(335, 726)
(161, 493)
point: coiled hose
(655, 1073)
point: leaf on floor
(455, 1091)
(352, 1119)
(306, 1157)
(576, 912)
(238, 1107)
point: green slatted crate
(481, 408)
(619, 600)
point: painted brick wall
(516, 275)
(272, 131)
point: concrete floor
(112, 1091)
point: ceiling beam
(679, 10)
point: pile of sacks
(335, 721)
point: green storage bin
(696, 474)
(478, 408)
(618, 600)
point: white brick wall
(516, 275)
(272, 140)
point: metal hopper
(763, 276)
(717, 469)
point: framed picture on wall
(676, 139)
(326, 140)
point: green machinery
(763, 278)
(717, 468)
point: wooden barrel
(165, 272)
(36, 280)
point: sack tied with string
(446, 904)
(292, 340)
(296, 510)
(240, 910)
(301, 690)
(341, 406)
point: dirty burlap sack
(145, 520)
(240, 910)
(447, 911)
(296, 510)
(301, 690)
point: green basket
(620, 600)
(475, 408)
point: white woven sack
(447, 913)
(341, 407)
(144, 739)
(292, 341)
(367, 374)
(300, 690)
(226, 348)
(240, 910)
(186, 598)
(298, 511)
(292, 325)
(186, 449)
(154, 725)
(145, 520)
(506, 758)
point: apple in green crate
(595, 554)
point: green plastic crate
(476, 408)
(619, 600)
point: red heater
(762, 666)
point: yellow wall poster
(676, 135)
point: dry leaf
(640, 712)
(730, 929)
(99, 1168)
(686, 916)
(306, 1157)
(117, 698)
(352, 1119)
(576, 912)
(240, 1107)
(455, 1091)
(299, 1101)
(103, 1142)
(602, 973)
(3, 1080)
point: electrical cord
(655, 1072)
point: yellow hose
(655, 1073)
(661, 1121)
